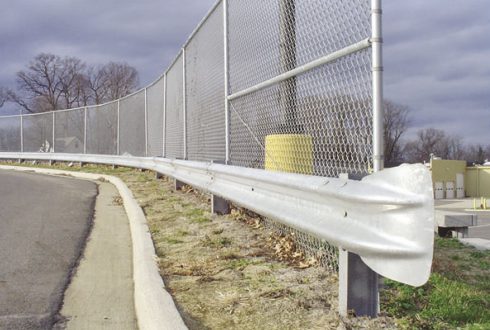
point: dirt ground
(226, 272)
(230, 272)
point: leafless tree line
(428, 142)
(51, 82)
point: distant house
(69, 144)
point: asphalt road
(44, 223)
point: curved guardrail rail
(387, 218)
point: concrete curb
(155, 308)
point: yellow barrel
(289, 153)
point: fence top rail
(10, 116)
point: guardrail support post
(219, 205)
(358, 286)
(178, 184)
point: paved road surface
(43, 225)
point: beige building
(453, 179)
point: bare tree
(432, 141)
(40, 84)
(395, 125)
(427, 142)
(477, 153)
(51, 83)
(72, 81)
(96, 81)
(120, 79)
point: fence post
(85, 130)
(118, 150)
(54, 125)
(227, 84)
(146, 123)
(377, 70)
(21, 132)
(184, 105)
(164, 112)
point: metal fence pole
(118, 150)
(164, 112)
(377, 69)
(54, 125)
(21, 132)
(146, 123)
(85, 130)
(184, 107)
(227, 84)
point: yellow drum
(289, 153)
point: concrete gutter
(155, 308)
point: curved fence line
(202, 113)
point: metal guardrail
(248, 72)
(386, 218)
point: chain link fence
(37, 132)
(282, 85)
(102, 132)
(10, 133)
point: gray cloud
(436, 62)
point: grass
(457, 294)
(216, 242)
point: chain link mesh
(318, 122)
(325, 254)
(102, 129)
(174, 122)
(155, 102)
(10, 140)
(205, 97)
(38, 132)
(132, 125)
(69, 131)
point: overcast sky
(436, 55)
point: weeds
(456, 294)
